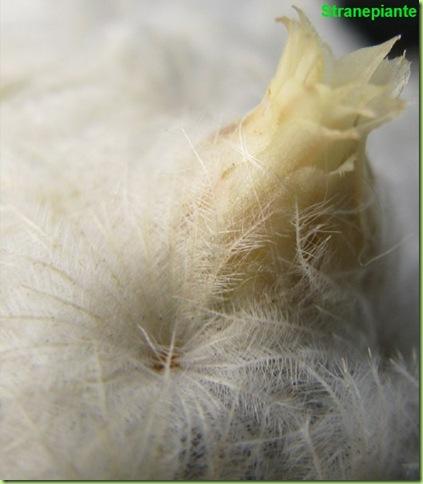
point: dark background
(384, 28)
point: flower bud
(287, 191)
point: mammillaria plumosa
(217, 328)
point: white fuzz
(211, 323)
(115, 366)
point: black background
(382, 29)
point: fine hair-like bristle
(159, 324)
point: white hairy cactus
(212, 322)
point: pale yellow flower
(288, 186)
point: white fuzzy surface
(99, 102)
